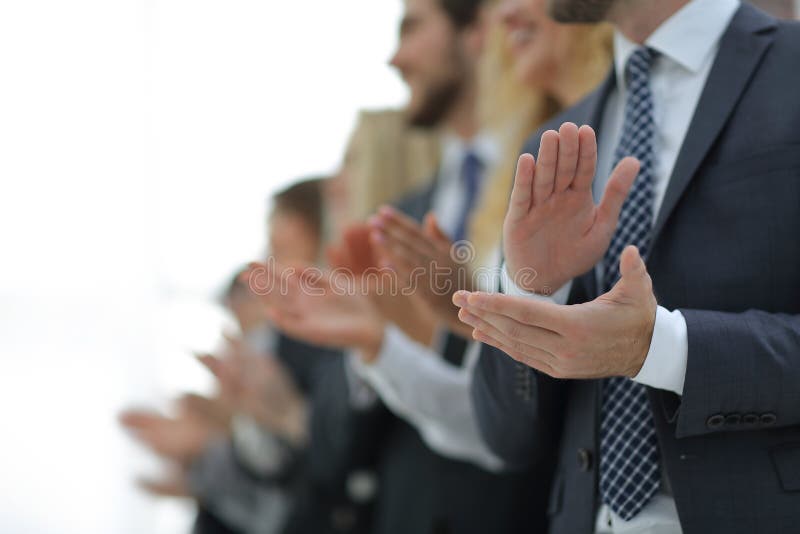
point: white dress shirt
(687, 43)
(413, 380)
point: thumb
(433, 230)
(634, 279)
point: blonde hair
(386, 159)
(513, 112)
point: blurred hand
(258, 385)
(321, 307)
(387, 290)
(553, 231)
(173, 484)
(181, 438)
(609, 336)
(355, 253)
(425, 260)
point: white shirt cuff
(665, 364)
(362, 396)
(560, 296)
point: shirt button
(733, 419)
(715, 421)
(768, 419)
(750, 419)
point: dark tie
(471, 175)
(629, 458)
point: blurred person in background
(438, 56)
(247, 466)
(385, 159)
(533, 68)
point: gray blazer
(726, 253)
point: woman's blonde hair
(513, 112)
(386, 159)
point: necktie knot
(638, 65)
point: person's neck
(566, 93)
(638, 19)
(462, 121)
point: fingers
(164, 488)
(567, 156)
(522, 191)
(527, 311)
(546, 167)
(434, 231)
(211, 363)
(137, 420)
(518, 356)
(587, 159)
(359, 248)
(511, 332)
(614, 196)
(402, 231)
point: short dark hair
(462, 13)
(303, 199)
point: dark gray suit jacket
(421, 492)
(726, 253)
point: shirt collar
(484, 145)
(688, 37)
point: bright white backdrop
(139, 140)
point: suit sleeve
(743, 372)
(519, 411)
(342, 437)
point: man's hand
(425, 261)
(553, 231)
(258, 385)
(181, 438)
(326, 308)
(609, 336)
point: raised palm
(553, 231)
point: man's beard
(579, 11)
(436, 103)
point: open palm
(553, 230)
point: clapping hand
(553, 231)
(259, 386)
(609, 336)
(425, 260)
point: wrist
(369, 349)
(295, 424)
(642, 348)
(530, 280)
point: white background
(139, 140)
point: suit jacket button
(768, 419)
(715, 421)
(733, 419)
(750, 419)
(584, 460)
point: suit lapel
(741, 49)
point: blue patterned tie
(471, 174)
(629, 458)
